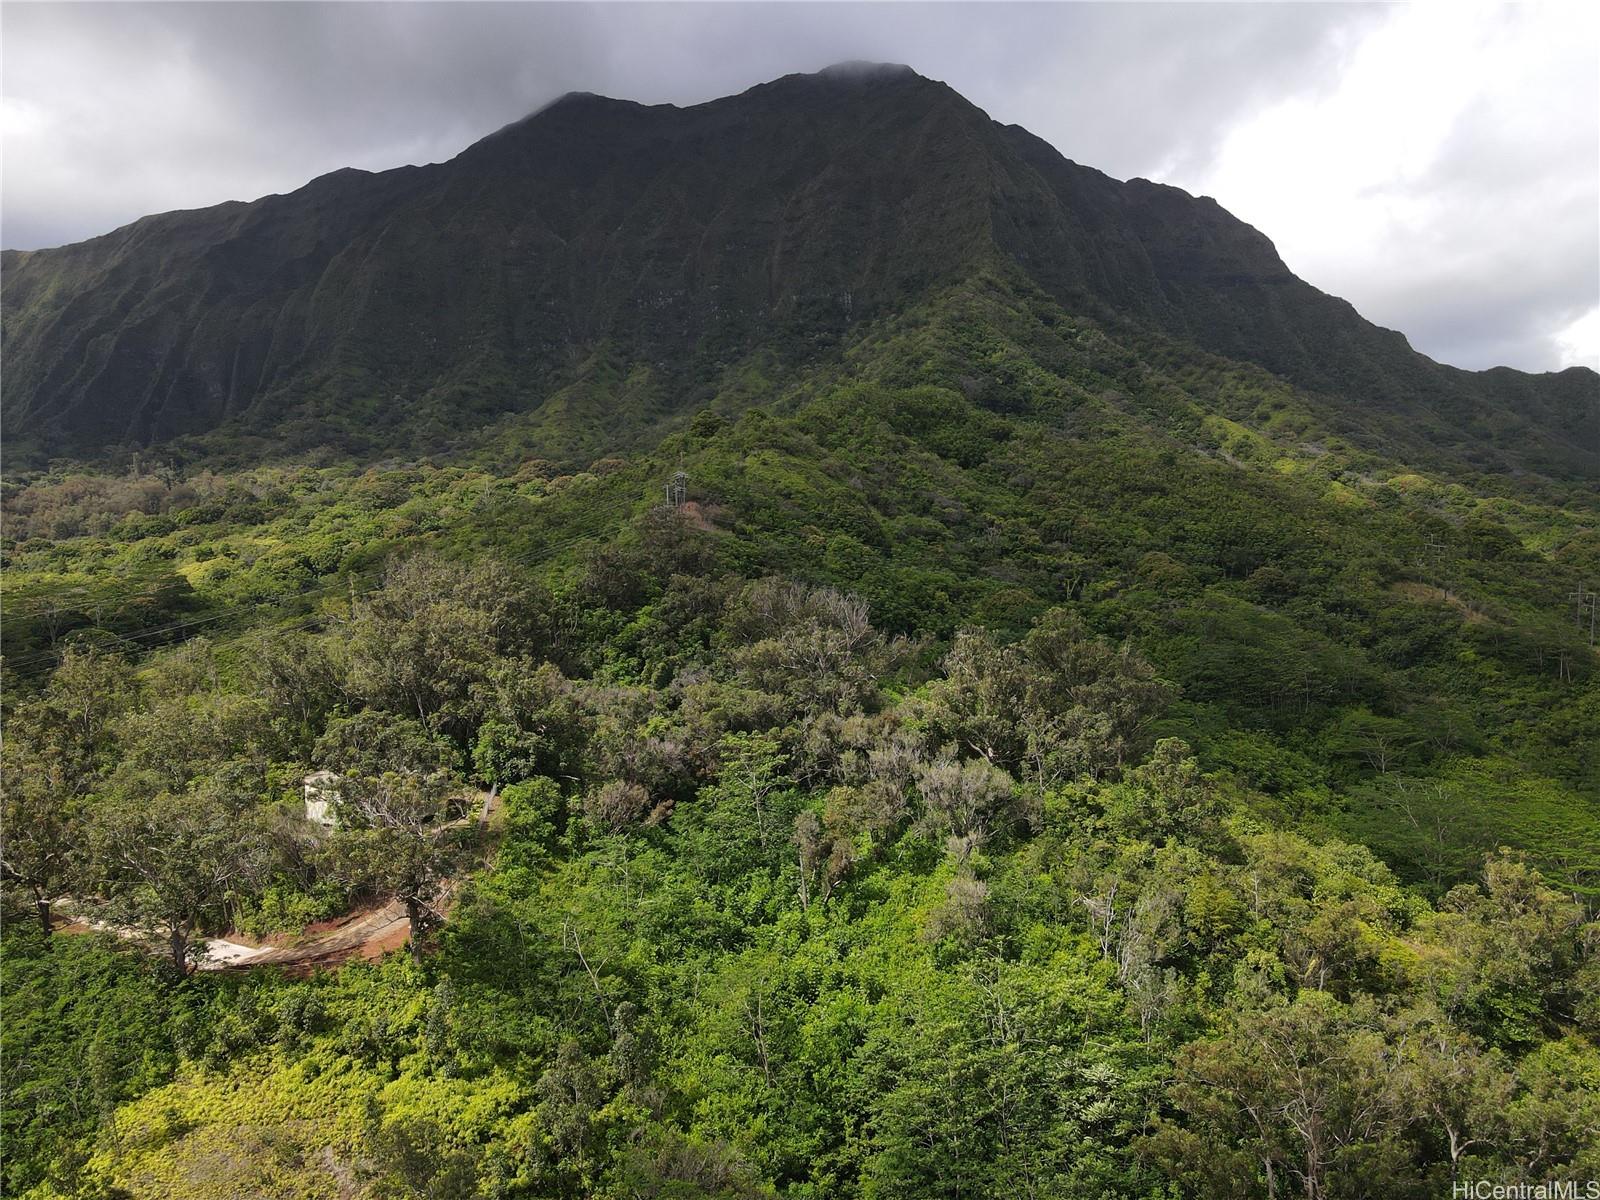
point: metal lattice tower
(1586, 599)
(1432, 563)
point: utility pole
(1433, 552)
(678, 489)
(1583, 598)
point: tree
(176, 862)
(815, 647)
(571, 1113)
(617, 805)
(1164, 797)
(825, 849)
(664, 1164)
(54, 751)
(1554, 1122)
(535, 725)
(1512, 945)
(298, 679)
(1006, 1079)
(394, 834)
(170, 744)
(735, 825)
(1381, 742)
(41, 800)
(978, 703)
(86, 694)
(752, 767)
(42, 827)
(1462, 1089)
(370, 742)
(425, 644)
(1059, 705)
(1306, 1092)
(1105, 697)
(965, 799)
(414, 1158)
(661, 543)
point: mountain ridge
(453, 294)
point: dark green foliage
(858, 196)
(810, 912)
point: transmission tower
(1432, 564)
(1585, 599)
(678, 489)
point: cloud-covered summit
(1438, 166)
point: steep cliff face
(677, 239)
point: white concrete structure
(322, 798)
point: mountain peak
(853, 71)
(567, 99)
(784, 216)
(583, 100)
(862, 69)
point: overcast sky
(1437, 165)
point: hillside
(1093, 702)
(396, 311)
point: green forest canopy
(1089, 781)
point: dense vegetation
(1026, 766)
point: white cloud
(156, 106)
(1579, 342)
(1448, 184)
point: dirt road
(366, 934)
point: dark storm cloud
(189, 104)
(113, 111)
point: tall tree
(427, 641)
(55, 749)
(1307, 1093)
(40, 816)
(177, 862)
(396, 836)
